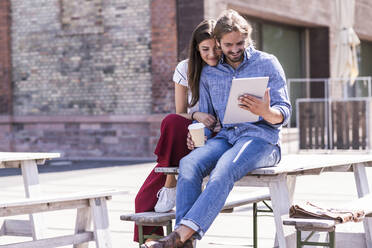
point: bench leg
(361, 182)
(300, 243)
(83, 222)
(254, 225)
(280, 199)
(32, 189)
(255, 220)
(141, 239)
(169, 227)
(101, 222)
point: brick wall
(83, 137)
(81, 57)
(5, 59)
(164, 54)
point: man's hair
(230, 21)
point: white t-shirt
(180, 77)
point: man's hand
(261, 107)
(256, 105)
(208, 120)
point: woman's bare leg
(170, 182)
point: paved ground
(229, 230)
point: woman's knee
(172, 120)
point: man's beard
(235, 59)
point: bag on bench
(312, 211)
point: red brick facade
(5, 59)
(164, 54)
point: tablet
(255, 86)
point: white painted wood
(83, 222)
(90, 205)
(298, 163)
(280, 200)
(32, 189)
(252, 197)
(53, 242)
(20, 156)
(17, 228)
(361, 182)
(101, 222)
(310, 224)
(60, 198)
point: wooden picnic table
(27, 162)
(281, 181)
(91, 207)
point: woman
(172, 143)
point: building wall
(313, 14)
(5, 59)
(164, 54)
(67, 63)
(82, 78)
(82, 137)
(189, 14)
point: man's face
(232, 45)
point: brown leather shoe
(173, 240)
(188, 244)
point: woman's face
(209, 52)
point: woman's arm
(181, 98)
(180, 95)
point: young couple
(236, 149)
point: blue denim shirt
(215, 83)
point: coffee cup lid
(196, 126)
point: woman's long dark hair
(202, 32)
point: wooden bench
(329, 226)
(165, 219)
(150, 219)
(90, 206)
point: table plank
(21, 156)
(297, 163)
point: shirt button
(235, 127)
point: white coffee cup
(197, 134)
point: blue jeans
(226, 164)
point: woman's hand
(189, 142)
(208, 120)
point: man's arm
(261, 107)
(205, 101)
(275, 107)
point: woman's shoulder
(182, 67)
(180, 73)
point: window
(365, 58)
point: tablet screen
(255, 86)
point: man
(237, 149)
